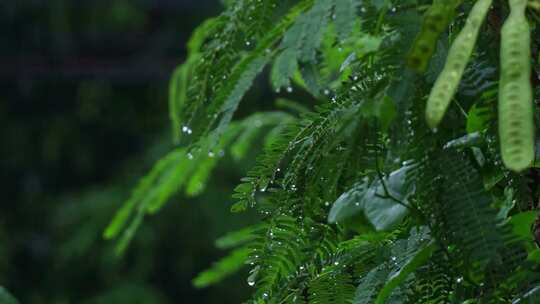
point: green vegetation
(359, 200)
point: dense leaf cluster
(360, 201)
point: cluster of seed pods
(516, 125)
(459, 55)
(436, 20)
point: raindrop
(251, 283)
(459, 280)
(289, 89)
(186, 129)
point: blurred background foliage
(83, 105)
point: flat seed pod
(460, 52)
(436, 20)
(516, 125)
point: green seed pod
(516, 125)
(459, 54)
(436, 20)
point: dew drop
(186, 130)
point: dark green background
(83, 110)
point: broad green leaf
(380, 208)
(522, 222)
(383, 212)
(349, 203)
